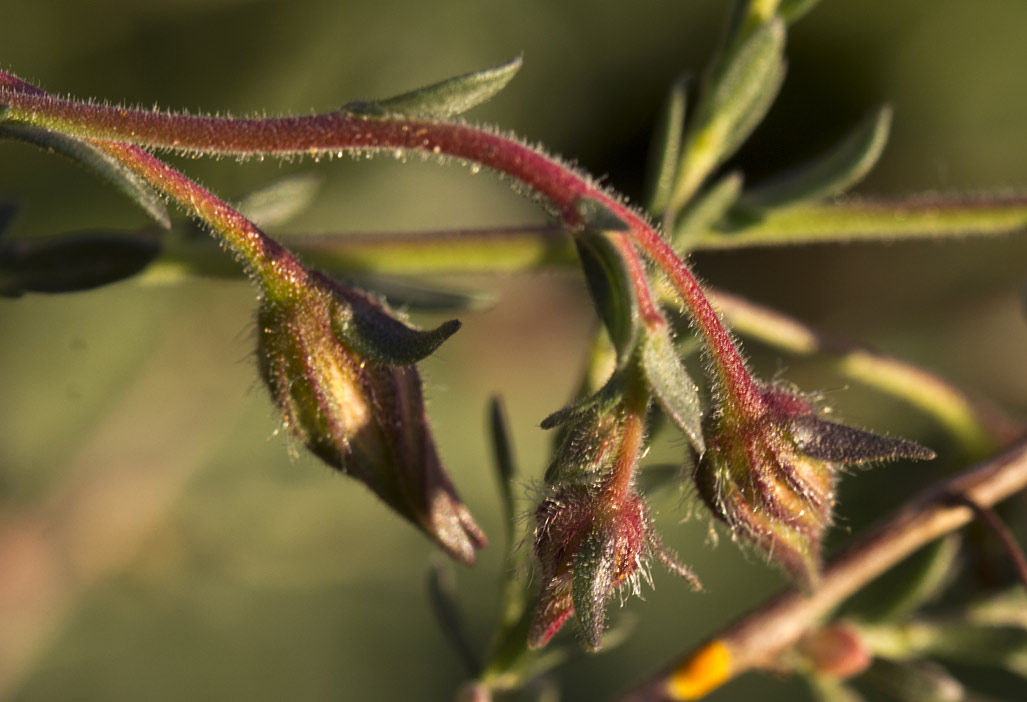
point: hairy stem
(757, 639)
(342, 131)
(979, 427)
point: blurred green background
(164, 542)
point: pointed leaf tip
(593, 581)
(830, 441)
(370, 330)
(832, 172)
(448, 97)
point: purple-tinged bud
(770, 474)
(339, 367)
(593, 535)
(587, 551)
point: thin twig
(757, 639)
(989, 518)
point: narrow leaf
(446, 98)
(924, 217)
(749, 85)
(96, 160)
(72, 262)
(914, 681)
(830, 441)
(959, 642)
(665, 150)
(370, 331)
(607, 276)
(707, 209)
(280, 201)
(674, 389)
(443, 599)
(831, 173)
(503, 455)
(793, 10)
(593, 582)
(751, 114)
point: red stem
(343, 131)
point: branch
(757, 639)
(353, 131)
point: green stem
(280, 273)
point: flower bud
(770, 474)
(337, 364)
(593, 535)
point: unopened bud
(770, 475)
(593, 535)
(337, 365)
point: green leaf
(739, 95)
(593, 581)
(361, 320)
(96, 160)
(665, 150)
(502, 450)
(748, 86)
(751, 114)
(793, 10)
(673, 388)
(914, 681)
(446, 98)
(831, 173)
(607, 276)
(706, 210)
(72, 262)
(922, 217)
(280, 201)
(4, 111)
(444, 604)
(960, 642)
(840, 443)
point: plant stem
(757, 639)
(278, 270)
(342, 131)
(979, 427)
